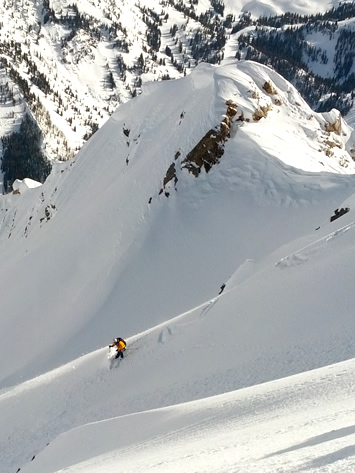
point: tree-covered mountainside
(73, 65)
(296, 45)
(22, 156)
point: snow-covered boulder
(20, 186)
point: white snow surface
(256, 378)
(22, 185)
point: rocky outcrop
(170, 175)
(269, 88)
(207, 152)
(210, 148)
(335, 127)
(261, 112)
(339, 212)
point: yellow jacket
(120, 345)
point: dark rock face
(210, 148)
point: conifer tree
(23, 156)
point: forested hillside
(296, 45)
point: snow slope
(293, 424)
(81, 245)
(99, 251)
(234, 340)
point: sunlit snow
(233, 289)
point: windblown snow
(196, 224)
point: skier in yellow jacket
(120, 345)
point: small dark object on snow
(222, 289)
(338, 213)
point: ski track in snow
(301, 256)
(208, 307)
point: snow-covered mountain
(196, 223)
(72, 63)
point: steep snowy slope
(287, 314)
(301, 423)
(224, 179)
(110, 244)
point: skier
(120, 345)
